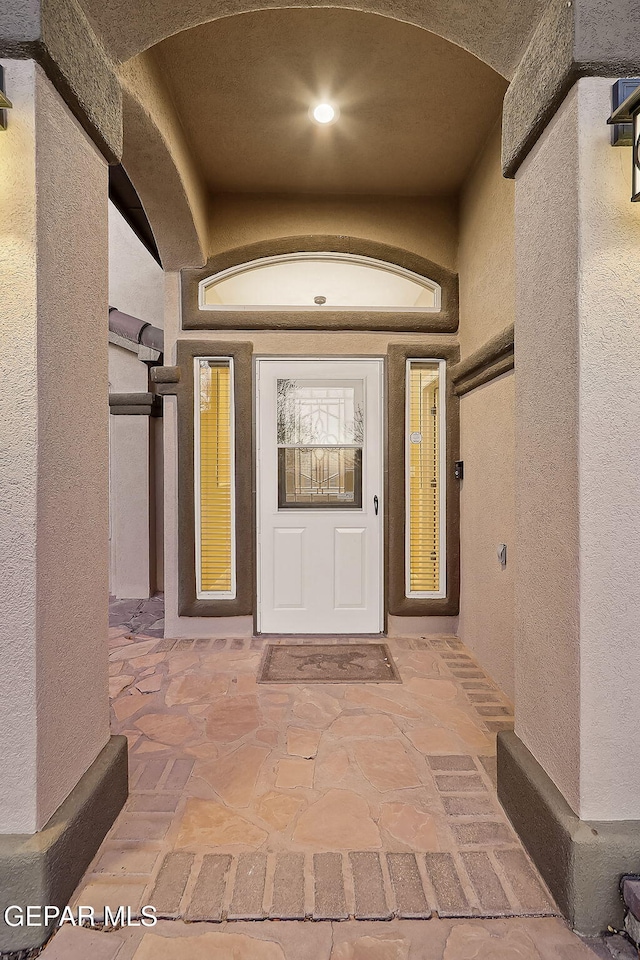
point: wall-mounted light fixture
(625, 119)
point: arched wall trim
(495, 33)
(443, 321)
(158, 169)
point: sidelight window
(214, 478)
(425, 488)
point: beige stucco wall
(136, 286)
(487, 305)
(18, 456)
(486, 250)
(547, 523)
(608, 430)
(73, 710)
(578, 460)
(422, 225)
(487, 517)
(135, 279)
(127, 374)
(54, 715)
(130, 533)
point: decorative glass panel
(320, 412)
(320, 436)
(215, 475)
(423, 464)
(319, 477)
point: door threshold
(318, 636)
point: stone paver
(303, 743)
(451, 763)
(170, 883)
(489, 891)
(248, 890)
(368, 883)
(340, 820)
(459, 784)
(294, 772)
(208, 895)
(416, 828)
(524, 881)
(329, 897)
(411, 902)
(485, 832)
(69, 943)
(450, 898)
(288, 887)
(468, 806)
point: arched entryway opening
(399, 188)
(385, 188)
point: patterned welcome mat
(328, 663)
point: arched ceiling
(495, 31)
(414, 108)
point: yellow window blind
(214, 378)
(423, 513)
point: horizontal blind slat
(424, 504)
(215, 479)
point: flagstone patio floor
(514, 939)
(354, 802)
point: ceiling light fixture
(324, 113)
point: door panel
(349, 561)
(319, 427)
(288, 551)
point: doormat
(328, 663)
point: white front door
(319, 449)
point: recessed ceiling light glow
(324, 113)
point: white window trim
(200, 593)
(323, 256)
(442, 480)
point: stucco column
(577, 510)
(54, 712)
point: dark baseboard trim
(581, 861)
(490, 361)
(44, 868)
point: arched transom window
(319, 281)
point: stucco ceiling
(414, 109)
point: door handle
(375, 504)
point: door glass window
(320, 434)
(424, 484)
